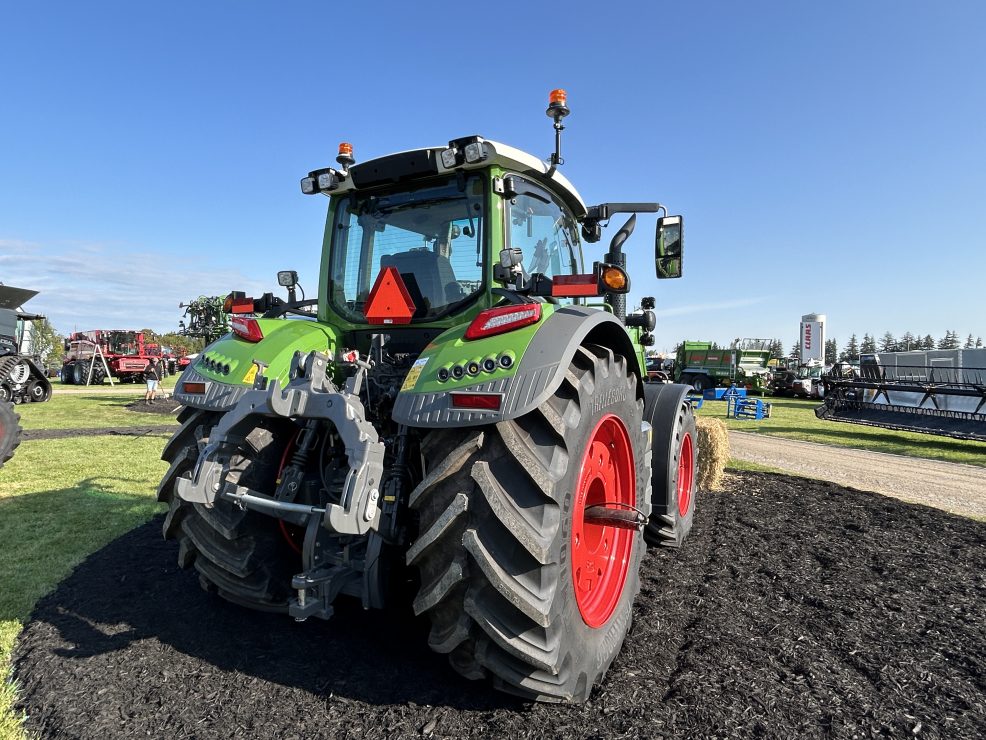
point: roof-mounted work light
(321, 181)
(471, 150)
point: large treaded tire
(240, 555)
(494, 552)
(10, 432)
(674, 504)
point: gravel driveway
(954, 487)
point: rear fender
(539, 372)
(227, 369)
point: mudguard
(544, 360)
(227, 368)
(661, 404)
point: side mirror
(668, 246)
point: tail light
(248, 329)
(237, 302)
(502, 319)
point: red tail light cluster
(502, 319)
(248, 329)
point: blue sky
(827, 157)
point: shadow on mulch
(797, 609)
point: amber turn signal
(614, 279)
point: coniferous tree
(831, 351)
(851, 352)
(969, 342)
(949, 341)
(868, 346)
(796, 349)
(907, 342)
(979, 342)
(888, 343)
(928, 342)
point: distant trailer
(939, 392)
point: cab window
(544, 231)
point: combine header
(935, 392)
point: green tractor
(460, 411)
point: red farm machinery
(91, 356)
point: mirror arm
(603, 211)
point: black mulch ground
(798, 609)
(167, 406)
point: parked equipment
(92, 355)
(936, 392)
(22, 373)
(744, 363)
(460, 410)
(205, 318)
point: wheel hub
(601, 547)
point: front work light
(475, 152)
(308, 185)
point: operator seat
(432, 274)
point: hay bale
(713, 453)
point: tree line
(887, 343)
(870, 344)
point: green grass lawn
(89, 410)
(61, 500)
(795, 419)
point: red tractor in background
(124, 352)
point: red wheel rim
(600, 553)
(291, 533)
(686, 475)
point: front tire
(240, 555)
(518, 583)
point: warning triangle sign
(389, 302)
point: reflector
(389, 301)
(487, 401)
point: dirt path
(954, 487)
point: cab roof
(420, 163)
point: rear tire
(502, 541)
(240, 555)
(700, 383)
(674, 474)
